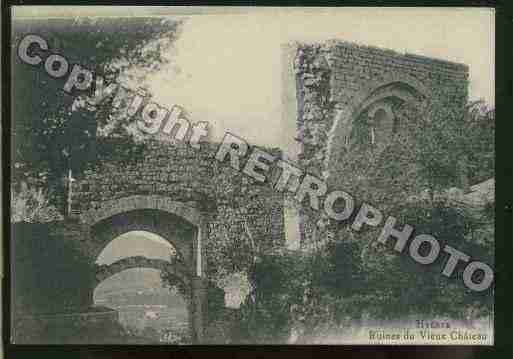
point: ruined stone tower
(336, 83)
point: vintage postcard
(235, 175)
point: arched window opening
(375, 124)
(149, 310)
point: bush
(49, 275)
(31, 204)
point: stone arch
(385, 108)
(115, 206)
(177, 231)
(392, 85)
(176, 268)
(179, 223)
(385, 80)
(152, 213)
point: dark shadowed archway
(180, 233)
(179, 224)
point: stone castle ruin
(191, 200)
(177, 192)
(337, 86)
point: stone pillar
(198, 308)
(199, 282)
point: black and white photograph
(252, 175)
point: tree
(50, 131)
(436, 149)
(351, 275)
(40, 255)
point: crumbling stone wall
(336, 81)
(232, 201)
(190, 181)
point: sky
(226, 69)
(226, 66)
(136, 243)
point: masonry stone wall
(355, 67)
(338, 76)
(231, 201)
(336, 80)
